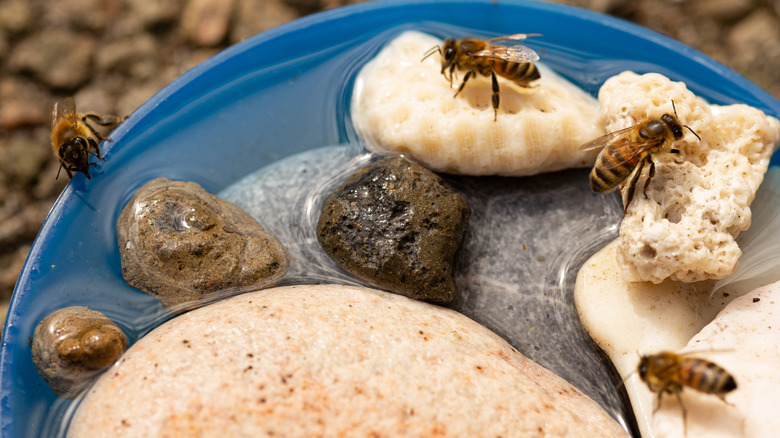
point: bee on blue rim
(74, 139)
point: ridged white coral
(403, 105)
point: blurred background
(112, 55)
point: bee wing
(515, 37)
(699, 351)
(630, 147)
(606, 139)
(519, 54)
(64, 109)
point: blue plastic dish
(276, 94)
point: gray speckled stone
(396, 225)
(186, 247)
(71, 346)
(515, 271)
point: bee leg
(96, 146)
(110, 121)
(67, 170)
(452, 74)
(632, 185)
(723, 398)
(496, 95)
(684, 413)
(92, 130)
(103, 120)
(466, 77)
(649, 177)
(658, 401)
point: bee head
(643, 363)
(448, 52)
(75, 155)
(677, 133)
(674, 125)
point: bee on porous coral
(477, 56)
(628, 151)
(74, 140)
(668, 372)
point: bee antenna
(693, 132)
(628, 376)
(430, 52)
(59, 170)
(622, 383)
(689, 128)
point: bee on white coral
(628, 151)
(402, 105)
(477, 56)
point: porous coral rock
(699, 200)
(402, 105)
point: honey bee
(477, 56)
(628, 151)
(668, 372)
(73, 138)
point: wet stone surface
(71, 346)
(186, 247)
(514, 273)
(396, 226)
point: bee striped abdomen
(613, 166)
(707, 377)
(520, 73)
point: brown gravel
(112, 55)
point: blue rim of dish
(172, 97)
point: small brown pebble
(71, 346)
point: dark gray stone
(71, 346)
(396, 225)
(186, 247)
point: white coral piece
(403, 105)
(699, 200)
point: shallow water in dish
(289, 93)
(515, 271)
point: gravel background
(112, 55)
